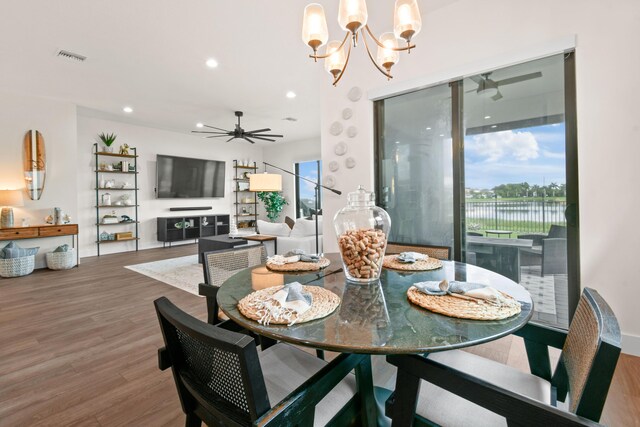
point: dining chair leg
(364, 384)
(406, 399)
(192, 420)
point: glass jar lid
(361, 197)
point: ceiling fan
(488, 88)
(238, 132)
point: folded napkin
(463, 289)
(410, 257)
(303, 256)
(282, 260)
(286, 304)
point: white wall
(149, 142)
(286, 156)
(463, 34)
(57, 123)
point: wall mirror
(34, 160)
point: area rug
(183, 273)
(542, 289)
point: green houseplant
(108, 139)
(273, 203)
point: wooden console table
(42, 231)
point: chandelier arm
(397, 49)
(346, 62)
(389, 76)
(346, 37)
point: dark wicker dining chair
(459, 388)
(222, 380)
(439, 252)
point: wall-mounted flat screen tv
(186, 178)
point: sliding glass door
(487, 166)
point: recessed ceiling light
(127, 110)
(291, 94)
(441, 134)
(397, 142)
(494, 126)
(428, 128)
(212, 63)
(487, 117)
(199, 125)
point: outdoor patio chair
(460, 388)
(221, 378)
(439, 252)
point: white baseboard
(631, 344)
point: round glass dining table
(377, 318)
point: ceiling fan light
(386, 56)
(487, 88)
(314, 26)
(352, 15)
(336, 60)
(407, 21)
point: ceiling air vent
(70, 55)
(290, 119)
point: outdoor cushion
(306, 227)
(13, 250)
(273, 228)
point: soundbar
(192, 208)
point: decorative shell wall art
(336, 128)
(347, 113)
(340, 149)
(352, 131)
(329, 181)
(350, 162)
(355, 93)
(334, 166)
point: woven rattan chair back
(589, 356)
(439, 252)
(217, 372)
(222, 264)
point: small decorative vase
(362, 229)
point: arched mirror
(34, 164)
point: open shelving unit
(101, 209)
(246, 204)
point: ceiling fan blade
(497, 96)
(262, 138)
(213, 127)
(233, 137)
(211, 132)
(476, 79)
(519, 79)
(258, 130)
(253, 142)
(266, 134)
(216, 136)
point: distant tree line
(521, 189)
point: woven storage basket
(61, 260)
(16, 267)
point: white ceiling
(150, 55)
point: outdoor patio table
(499, 232)
(378, 318)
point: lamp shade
(336, 60)
(265, 182)
(11, 198)
(352, 14)
(314, 26)
(407, 21)
(387, 57)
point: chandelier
(352, 17)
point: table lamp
(8, 200)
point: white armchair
(302, 236)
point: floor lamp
(273, 182)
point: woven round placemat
(324, 303)
(390, 261)
(299, 266)
(463, 308)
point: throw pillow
(279, 229)
(62, 248)
(289, 221)
(13, 250)
(306, 227)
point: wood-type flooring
(79, 348)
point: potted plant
(273, 203)
(107, 139)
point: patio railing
(519, 216)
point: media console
(191, 227)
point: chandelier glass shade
(353, 17)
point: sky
(535, 155)
(308, 170)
